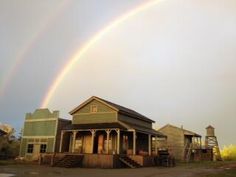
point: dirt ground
(182, 170)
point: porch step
(129, 162)
(69, 161)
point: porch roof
(145, 130)
(95, 126)
(114, 125)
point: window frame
(30, 148)
(43, 148)
(93, 108)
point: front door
(87, 144)
(36, 152)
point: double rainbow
(85, 48)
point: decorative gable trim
(88, 101)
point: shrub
(9, 148)
(229, 152)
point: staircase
(188, 148)
(69, 161)
(129, 162)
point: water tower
(212, 143)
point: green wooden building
(103, 131)
(41, 133)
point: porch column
(200, 142)
(92, 139)
(61, 141)
(149, 144)
(73, 142)
(118, 141)
(134, 142)
(108, 137)
(156, 145)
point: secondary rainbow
(33, 40)
(121, 19)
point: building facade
(101, 127)
(184, 145)
(41, 133)
(102, 134)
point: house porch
(111, 141)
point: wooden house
(184, 145)
(108, 135)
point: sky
(173, 61)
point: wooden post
(200, 143)
(149, 144)
(61, 141)
(108, 137)
(134, 142)
(156, 145)
(73, 142)
(92, 139)
(118, 141)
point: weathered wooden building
(183, 144)
(41, 133)
(102, 127)
(107, 135)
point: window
(30, 148)
(94, 108)
(43, 148)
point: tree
(9, 144)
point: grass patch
(225, 173)
(203, 164)
(7, 162)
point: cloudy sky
(173, 61)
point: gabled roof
(116, 107)
(186, 132)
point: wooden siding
(42, 114)
(23, 147)
(40, 128)
(98, 161)
(61, 124)
(50, 144)
(94, 118)
(131, 120)
(104, 114)
(101, 107)
(175, 141)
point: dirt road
(190, 170)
